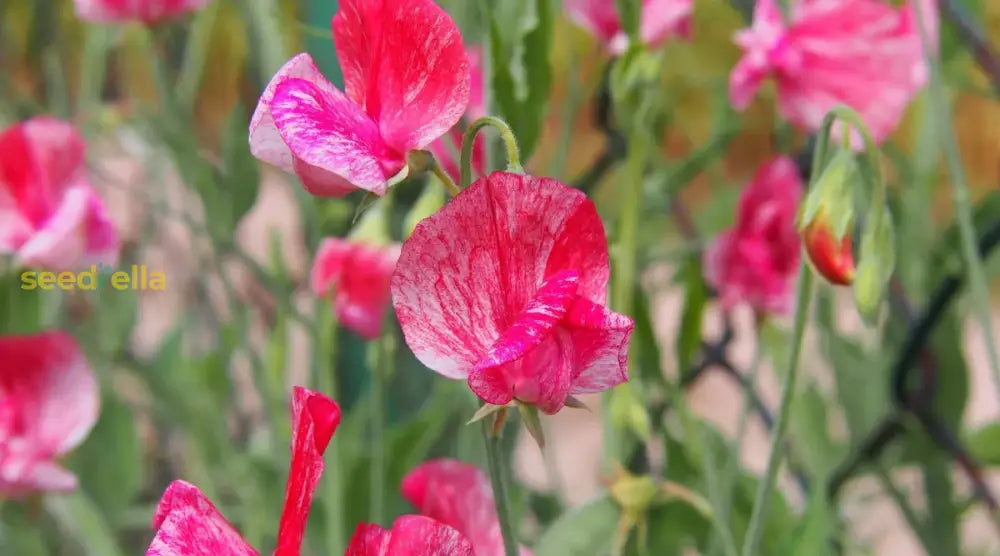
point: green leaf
(811, 434)
(79, 519)
(984, 443)
(241, 180)
(521, 34)
(589, 529)
(111, 482)
(812, 535)
(695, 299)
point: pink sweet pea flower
(50, 216)
(357, 275)
(188, 524)
(411, 535)
(756, 262)
(147, 11)
(659, 20)
(866, 54)
(49, 401)
(460, 495)
(505, 287)
(407, 83)
(447, 149)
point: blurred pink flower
(50, 216)
(147, 11)
(659, 20)
(458, 494)
(448, 148)
(505, 287)
(357, 275)
(411, 535)
(49, 401)
(866, 54)
(756, 261)
(188, 524)
(407, 83)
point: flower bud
(833, 258)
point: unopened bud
(833, 258)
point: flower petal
(315, 417)
(468, 271)
(359, 275)
(369, 540)
(458, 494)
(600, 346)
(663, 18)
(78, 234)
(404, 62)
(188, 524)
(49, 401)
(334, 144)
(148, 11)
(411, 535)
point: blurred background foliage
(206, 400)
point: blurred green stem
(94, 69)
(765, 487)
(325, 379)
(963, 208)
(498, 479)
(195, 54)
(383, 352)
(469, 139)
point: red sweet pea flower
(505, 287)
(148, 11)
(50, 216)
(49, 401)
(407, 83)
(659, 20)
(757, 260)
(411, 535)
(188, 524)
(460, 495)
(866, 54)
(358, 276)
(448, 148)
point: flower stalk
(325, 346)
(469, 139)
(498, 479)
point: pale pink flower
(757, 260)
(49, 401)
(50, 216)
(147, 11)
(659, 20)
(866, 54)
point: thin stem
(963, 208)
(764, 489)
(381, 370)
(498, 479)
(443, 176)
(513, 153)
(325, 347)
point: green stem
(195, 55)
(513, 153)
(445, 179)
(381, 371)
(498, 479)
(324, 366)
(766, 487)
(963, 210)
(95, 49)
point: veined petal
(49, 401)
(188, 524)
(468, 271)
(326, 131)
(411, 535)
(404, 62)
(315, 417)
(542, 377)
(458, 494)
(600, 346)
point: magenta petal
(468, 271)
(188, 524)
(49, 401)
(78, 234)
(358, 275)
(148, 11)
(328, 132)
(600, 346)
(315, 417)
(458, 494)
(368, 540)
(404, 62)
(411, 535)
